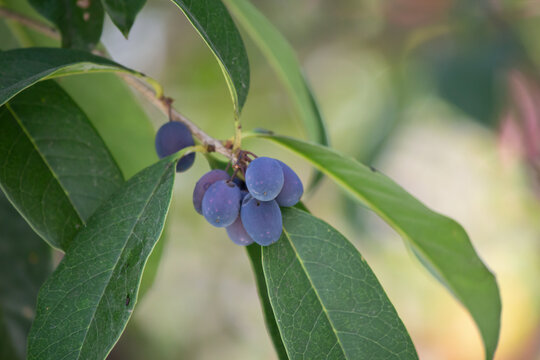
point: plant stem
(160, 101)
(30, 23)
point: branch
(30, 23)
(163, 103)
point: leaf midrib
(37, 149)
(120, 254)
(371, 206)
(306, 273)
(397, 228)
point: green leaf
(441, 243)
(254, 254)
(25, 263)
(284, 61)
(85, 305)
(123, 12)
(283, 58)
(80, 21)
(327, 301)
(21, 68)
(214, 24)
(54, 168)
(119, 119)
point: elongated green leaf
(283, 58)
(254, 253)
(21, 68)
(441, 243)
(80, 22)
(25, 263)
(54, 167)
(214, 24)
(85, 305)
(123, 12)
(119, 119)
(327, 301)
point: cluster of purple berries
(249, 210)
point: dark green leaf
(25, 263)
(21, 68)
(214, 24)
(254, 253)
(122, 123)
(327, 301)
(283, 58)
(123, 12)
(440, 242)
(80, 21)
(152, 265)
(55, 168)
(85, 305)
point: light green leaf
(85, 305)
(79, 22)
(254, 252)
(214, 24)
(25, 263)
(123, 12)
(283, 58)
(54, 167)
(119, 119)
(21, 68)
(442, 244)
(327, 302)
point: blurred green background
(443, 96)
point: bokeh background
(443, 96)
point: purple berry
(262, 220)
(203, 184)
(292, 187)
(264, 178)
(172, 137)
(221, 203)
(238, 234)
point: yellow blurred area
(204, 304)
